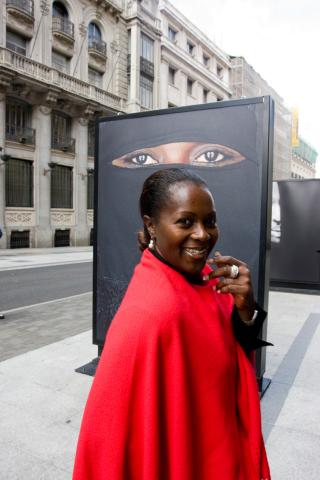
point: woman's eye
(142, 159)
(210, 156)
(185, 222)
(216, 156)
(211, 224)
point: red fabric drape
(174, 397)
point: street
(31, 286)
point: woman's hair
(155, 195)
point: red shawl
(174, 396)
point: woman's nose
(200, 233)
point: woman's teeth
(196, 252)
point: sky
(280, 39)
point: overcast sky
(279, 38)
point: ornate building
(304, 158)
(61, 64)
(64, 63)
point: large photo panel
(226, 143)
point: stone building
(62, 64)
(246, 82)
(304, 159)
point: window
(219, 71)
(219, 99)
(172, 74)
(60, 62)
(94, 32)
(19, 183)
(190, 47)
(60, 19)
(61, 187)
(18, 121)
(189, 86)
(90, 191)
(146, 91)
(205, 95)
(16, 42)
(95, 77)
(172, 34)
(95, 39)
(61, 132)
(59, 10)
(206, 60)
(146, 47)
(91, 138)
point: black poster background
(240, 191)
(295, 260)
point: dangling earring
(151, 244)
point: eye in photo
(188, 153)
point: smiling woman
(175, 395)
(191, 153)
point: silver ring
(234, 273)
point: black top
(246, 335)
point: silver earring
(151, 244)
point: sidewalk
(42, 398)
(40, 257)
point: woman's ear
(149, 223)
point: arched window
(94, 32)
(59, 10)
(95, 41)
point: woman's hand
(240, 287)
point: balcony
(24, 135)
(64, 143)
(96, 46)
(63, 25)
(97, 50)
(34, 73)
(20, 16)
(63, 35)
(146, 67)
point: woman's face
(190, 153)
(186, 230)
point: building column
(164, 76)
(133, 100)
(42, 177)
(3, 242)
(81, 236)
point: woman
(175, 396)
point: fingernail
(217, 254)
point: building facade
(65, 63)
(304, 159)
(246, 82)
(61, 65)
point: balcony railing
(63, 143)
(25, 6)
(146, 67)
(26, 67)
(63, 25)
(24, 135)
(97, 46)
